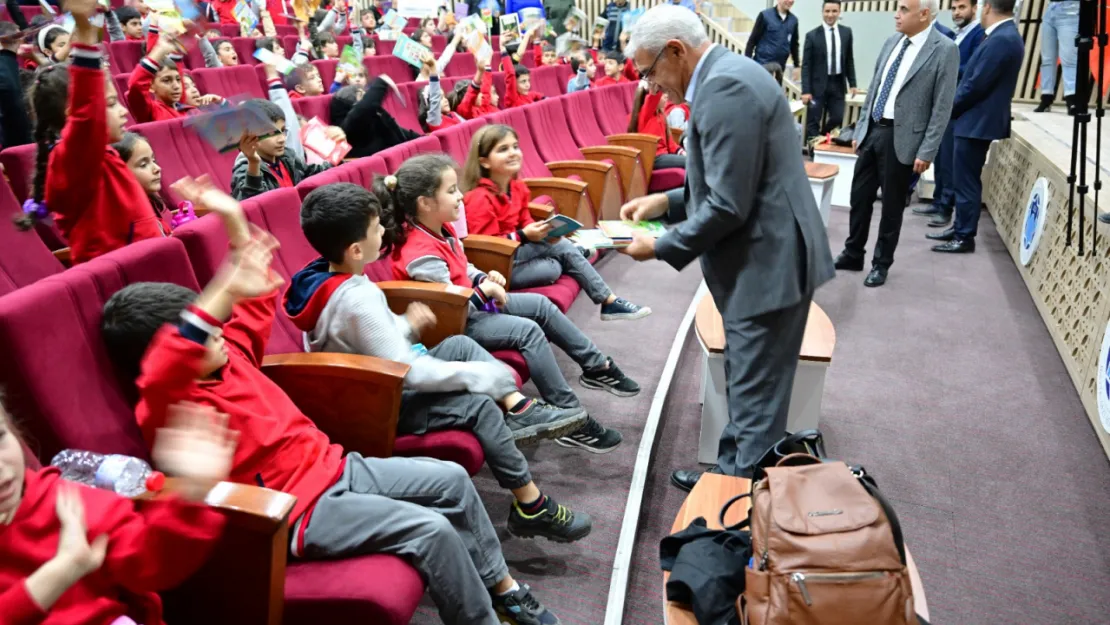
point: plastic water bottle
(124, 475)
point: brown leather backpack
(827, 549)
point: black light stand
(1091, 18)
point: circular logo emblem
(1102, 384)
(1033, 226)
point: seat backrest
(244, 47)
(182, 152)
(327, 68)
(394, 156)
(19, 168)
(582, 119)
(611, 114)
(439, 44)
(547, 119)
(194, 58)
(563, 72)
(74, 398)
(461, 65)
(534, 166)
(121, 85)
(314, 106)
(499, 85)
(413, 22)
(382, 47)
(345, 172)
(405, 113)
(124, 56)
(285, 30)
(545, 81)
(230, 30)
(206, 242)
(289, 43)
(455, 141)
(391, 66)
(24, 257)
(229, 81)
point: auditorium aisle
(946, 386)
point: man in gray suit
(746, 211)
(899, 130)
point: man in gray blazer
(899, 130)
(746, 211)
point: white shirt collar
(694, 76)
(997, 24)
(918, 40)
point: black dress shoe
(876, 277)
(686, 479)
(956, 246)
(939, 221)
(931, 209)
(946, 235)
(845, 262)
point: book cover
(596, 240)
(244, 14)
(349, 60)
(576, 18)
(530, 17)
(624, 230)
(561, 226)
(409, 51)
(462, 9)
(224, 126)
(510, 25)
(600, 24)
(278, 62)
(314, 138)
(394, 21)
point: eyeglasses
(649, 75)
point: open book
(224, 127)
(561, 226)
(315, 139)
(624, 230)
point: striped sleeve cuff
(479, 298)
(517, 235)
(275, 83)
(433, 78)
(85, 56)
(149, 65)
(197, 325)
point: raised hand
(195, 445)
(73, 542)
(248, 145)
(249, 275)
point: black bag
(846, 136)
(805, 442)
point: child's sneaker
(593, 437)
(554, 522)
(622, 309)
(610, 378)
(540, 420)
(522, 608)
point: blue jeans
(1058, 32)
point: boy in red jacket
(518, 80)
(480, 97)
(154, 91)
(614, 70)
(209, 349)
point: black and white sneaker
(621, 309)
(522, 608)
(540, 420)
(593, 437)
(610, 378)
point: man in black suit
(828, 71)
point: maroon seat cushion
(391, 66)
(19, 168)
(375, 589)
(461, 65)
(394, 156)
(383, 48)
(562, 293)
(404, 112)
(318, 106)
(182, 152)
(359, 171)
(327, 68)
(455, 140)
(124, 56)
(547, 119)
(545, 81)
(245, 47)
(564, 72)
(229, 30)
(458, 446)
(24, 257)
(229, 81)
(666, 179)
(516, 362)
(611, 108)
(439, 44)
(582, 119)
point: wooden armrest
(567, 195)
(540, 212)
(676, 135)
(449, 303)
(63, 256)
(645, 143)
(244, 579)
(602, 185)
(354, 399)
(491, 254)
(628, 163)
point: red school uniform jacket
(468, 107)
(493, 213)
(420, 243)
(513, 97)
(97, 202)
(653, 122)
(605, 81)
(279, 447)
(149, 549)
(141, 101)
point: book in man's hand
(625, 230)
(596, 240)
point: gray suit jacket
(924, 103)
(746, 210)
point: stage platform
(1071, 292)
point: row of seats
(59, 315)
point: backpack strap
(869, 485)
(724, 511)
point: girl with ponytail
(98, 203)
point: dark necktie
(888, 83)
(832, 55)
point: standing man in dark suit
(774, 36)
(899, 129)
(981, 114)
(969, 34)
(828, 71)
(746, 212)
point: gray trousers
(670, 161)
(421, 412)
(541, 264)
(424, 510)
(526, 324)
(761, 356)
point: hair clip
(35, 209)
(183, 215)
(391, 182)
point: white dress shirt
(961, 33)
(995, 25)
(832, 34)
(916, 42)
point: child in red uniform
(74, 555)
(209, 350)
(518, 80)
(98, 204)
(436, 110)
(649, 117)
(497, 205)
(154, 91)
(480, 98)
(614, 70)
(423, 200)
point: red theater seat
(545, 81)
(181, 152)
(564, 72)
(382, 47)
(19, 167)
(24, 257)
(439, 44)
(327, 68)
(124, 56)
(394, 156)
(240, 80)
(230, 30)
(360, 171)
(121, 86)
(404, 112)
(245, 47)
(461, 65)
(391, 66)
(314, 106)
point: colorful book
(409, 51)
(561, 226)
(349, 60)
(394, 21)
(244, 14)
(224, 127)
(624, 230)
(596, 240)
(600, 24)
(530, 17)
(510, 25)
(575, 19)
(314, 138)
(462, 9)
(278, 62)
